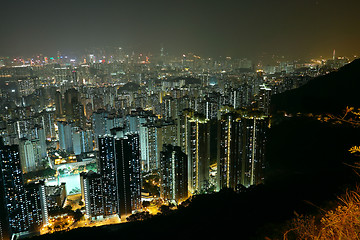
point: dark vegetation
(307, 168)
(149, 185)
(77, 214)
(40, 174)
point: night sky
(241, 28)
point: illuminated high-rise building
(198, 145)
(36, 204)
(47, 123)
(65, 136)
(173, 174)
(168, 108)
(264, 99)
(13, 209)
(27, 156)
(253, 140)
(128, 174)
(76, 137)
(82, 141)
(120, 173)
(23, 208)
(92, 193)
(98, 124)
(26, 86)
(211, 107)
(40, 138)
(108, 172)
(241, 149)
(152, 137)
(182, 124)
(103, 122)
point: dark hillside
(325, 94)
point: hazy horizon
(296, 29)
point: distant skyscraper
(86, 141)
(47, 123)
(244, 95)
(41, 138)
(76, 137)
(150, 137)
(22, 128)
(144, 148)
(168, 108)
(173, 174)
(162, 51)
(103, 123)
(98, 124)
(71, 102)
(183, 131)
(211, 108)
(82, 141)
(27, 156)
(168, 134)
(65, 136)
(58, 104)
(264, 99)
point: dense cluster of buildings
(200, 124)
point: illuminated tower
(168, 108)
(91, 191)
(98, 124)
(174, 179)
(128, 174)
(241, 149)
(108, 172)
(183, 131)
(27, 156)
(23, 208)
(253, 140)
(13, 209)
(65, 136)
(229, 163)
(47, 123)
(264, 99)
(120, 172)
(36, 205)
(198, 145)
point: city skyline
(296, 29)
(200, 117)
